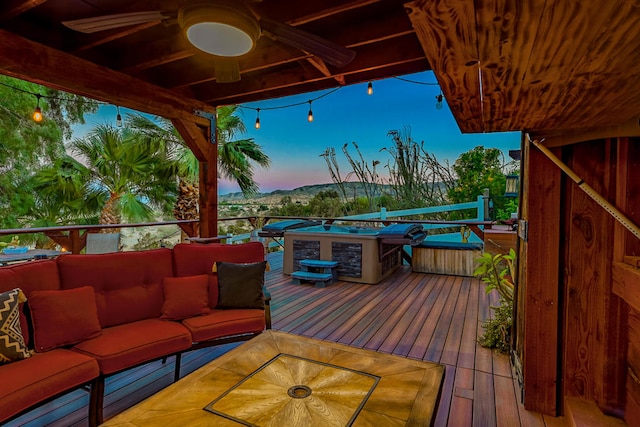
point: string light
(37, 113)
(439, 101)
(310, 115)
(439, 98)
(118, 117)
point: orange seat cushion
(124, 346)
(221, 323)
(43, 375)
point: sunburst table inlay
(279, 379)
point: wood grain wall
(595, 336)
(575, 331)
(538, 282)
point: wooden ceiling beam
(322, 67)
(327, 12)
(101, 38)
(357, 77)
(12, 8)
(173, 47)
(268, 55)
(396, 51)
(367, 59)
(27, 60)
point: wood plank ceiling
(544, 66)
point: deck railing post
(482, 201)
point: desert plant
(497, 271)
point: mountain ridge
(301, 194)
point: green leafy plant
(497, 271)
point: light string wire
(245, 107)
(58, 98)
(296, 104)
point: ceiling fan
(225, 29)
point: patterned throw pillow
(12, 346)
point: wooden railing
(73, 238)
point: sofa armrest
(267, 306)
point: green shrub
(498, 271)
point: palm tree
(61, 196)
(134, 173)
(235, 156)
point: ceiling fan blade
(109, 22)
(324, 49)
(227, 69)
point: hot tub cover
(277, 229)
(405, 234)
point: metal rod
(617, 215)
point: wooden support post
(538, 285)
(203, 143)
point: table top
(28, 256)
(281, 379)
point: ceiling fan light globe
(219, 29)
(220, 39)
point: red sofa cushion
(221, 323)
(29, 276)
(128, 285)
(30, 381)
(63, 317)
(123, 346)
(190, 259)
(185, 296)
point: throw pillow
(64, 317)
(12, 345)
(185, 297)
(240, 285)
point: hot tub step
(321, 279)
(318, 263)
(320, 266)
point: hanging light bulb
(439, 101)
(37, 112)
(118, 117)
(310, 116)
(370, 89)
(258, 118)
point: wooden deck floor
(428, 317)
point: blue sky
(344, 116)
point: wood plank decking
(422, 316)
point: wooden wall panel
(447, 32)
(632, 202)
(538, 282)
(594, 342)
(632, 404)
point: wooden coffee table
(279, 379)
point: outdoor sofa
(87, 317)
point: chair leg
(96, 400)
(176, 374)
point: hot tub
(361, 254)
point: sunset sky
(344, 116)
